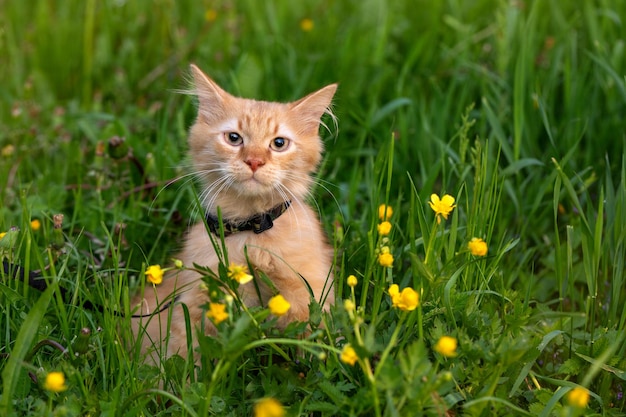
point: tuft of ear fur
(211, 97)
(311, 108)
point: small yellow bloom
(210, 15)
(407, 300)
(35, 225)
(385, 259)
(55, 382)
(384, 212)
(8, 150)
(442, 207)
(307, 25)
(352, 281)
(278, 305)
(477, 246)
(446, 346)
(349, 305)
(348, 355)
(154, 274)
(239, 273)
(2, 234)
(394, 290)
(578, 397)
(384, 228)
(217, 312)
(268, 407)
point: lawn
(509, 301)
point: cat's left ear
(311, 108)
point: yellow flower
(477, 246)
(578, 397)
(384, 212)
(442, 207)
(35, 225)
(352, 281)
(210, 15)
(268, 407)
(239, 273)
(384, 228)
(55, 382)
(349, 305)
(385, 259)
(348, 355)
(154, 274)
(217, 312)
(446, 346)
(2, 234)
(306, 25)
(394, 290)
(8, 150)
(278, 305)
(407, 300)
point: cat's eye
(233, 138)
(279, 144)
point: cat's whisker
(209, 194)
(287, 195)
(213, 190)
(300, 178)
(226, 182)
(168, 184)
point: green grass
(517, 109)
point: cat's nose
(254, 163)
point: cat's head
(252, 155)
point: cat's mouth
(256, 184)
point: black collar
(258, 223)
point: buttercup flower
(278, 305)
(352, 281)
(55, 382)
(268, 407)
(2, 234)
(210, 15)
(154, 274)
(384, 228)
(8, 150)
(385, 259)
(442, 207)
(394, 290)
(348, 355)
(578, 397)
(477, 246)
(35, 225)
(307, 25)
(407, 300)
(217, 312)
(348, 305)
(446, 346)
(239, 273)
(384, 212)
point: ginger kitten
(255, 160)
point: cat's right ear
(211, 97)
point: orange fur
(242, 180)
